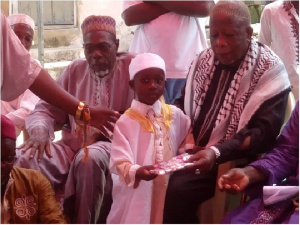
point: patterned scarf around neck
(260, 76)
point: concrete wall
(111, 8)
(5, 7)
(83, 8)
(64, 36)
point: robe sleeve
(263, 128)
(121, 158)
(127, 4)
(185, 137)
(283, 160)
(265, 35)
(45, 114)
(27, 104)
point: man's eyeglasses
(104, 47)
(9, 161)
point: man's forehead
(224, 18)
(97, 37)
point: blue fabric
(173, 90)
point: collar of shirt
(143, 108)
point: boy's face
(148, 85)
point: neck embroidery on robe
(146, 123)
(294, 25)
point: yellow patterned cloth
(146, 123)
(30, 199)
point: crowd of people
(123, 115)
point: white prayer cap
(145, 61)
(20, 18)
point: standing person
(19, 109)
(98, 80)
(236, 94)
(149, 132)
(279, 169)
(27, 73)
(280, 31)
(26, 195)
(172, 30)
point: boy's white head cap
(145, 61)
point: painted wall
(111, 8)
(5, 7)
(63, 36)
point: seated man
(28, 74)
(282, 162)
(20, 108)
(99, 80)
(236, 94)
(26, 195)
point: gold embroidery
(145, 122)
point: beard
(102, 73)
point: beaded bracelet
(82, 119)
(79, 110)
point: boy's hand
(143, 173)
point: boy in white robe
(148, 133)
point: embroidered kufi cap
(98, 23)
(20, 18)
(145, 61)
(8, 129)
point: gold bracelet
(79, 110)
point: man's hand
(234, 181)
(38, 141)
(103, 119)
(203, 160)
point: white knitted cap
(20, 18)
(145, 61)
